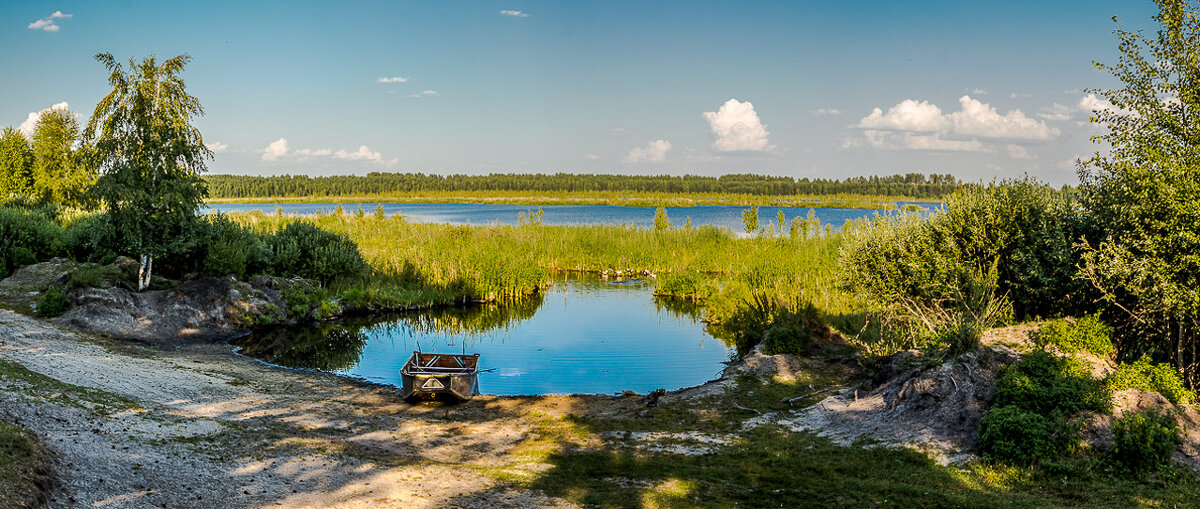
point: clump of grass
(1147, 376)
(1088, 334)
(22, 467)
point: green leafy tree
(661, 222)
(59, 173)
(1145, 192)
(750, 220)
(150, 155)
(16, 163)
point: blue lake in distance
(487, 213)
(583, 335)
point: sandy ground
(214, 429)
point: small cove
(583, 335)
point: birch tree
(150, 157)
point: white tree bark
(144, 272)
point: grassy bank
(22, 468)
(497, 262)
(623, 198)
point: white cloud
(431, 92)
(591, 157)
(825, 112)
(308, 152)
(217, 147)
(1017, 152)
(975, 119)
(1090, 103)
(909, 115)
(892, 140)
(275, 150)
(1019, 95)
(517, 14)
(47, 23)
(392, 79)
(1057, 112)
(362, 154)
(30, 122)
(737, 127)
(979, 119)
(979, 91)
(653, 152)
(619, 131)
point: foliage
(1147, 376)
(1045, 383)
(661, 222)
(750, 220)
(914, 185)
(52, 303)
(302, 249)
(230, 249)
(1088, 334)
(1143, 191)
(1022, 229)
(1034, 399)
(16, 164)
(22, 466)
(1015, 435)
(1145, 441)
(151, 157)
(60, 173)
(26, 237)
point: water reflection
(584, 335)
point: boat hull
(440, 376)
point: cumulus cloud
(921, 125)
(909, 115)
(48, 23)
(1017, 152)
(825, 112)
(979, 91)
(591, 157)
(362, 154)
(275, 150)
(391, 79)
(1091, 103)
(653, 152)
(217, 147)
(894, 140)
(31, 120)
(516, 14)
(979, 119)
(279, 150)
(1057, 112)
(737, 127)
(1019, 95)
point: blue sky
(978, 89)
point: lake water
(488, 213)
(583, 335)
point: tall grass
(505, 262)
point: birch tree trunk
(144, 272)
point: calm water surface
(487, 213)
(584, 335)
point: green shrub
(53, 302)
(90, 238)
(1145, 441)
(787, 338)
(1044, 383)
(1088, 334)
(302, 249)
(1011, 434)
(233, 250)
(682, 284)
(1144, 375)
(27, 237)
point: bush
(1045, 384)
(787, 338)
(1011, 434)
(90, 238)
(27, 237)
(682, 284)
(1025, 229)
(232, 249)
(1144, 375)
(53, 303)
(1145, 441)
(302, 249)
(1088, 334)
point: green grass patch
(22, 467)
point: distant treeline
(915, 185)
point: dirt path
(202, 427)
